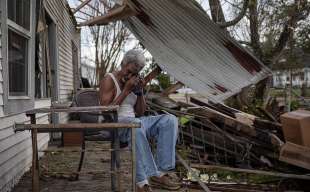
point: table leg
(115, 159)
(133, 158)
(35, 159)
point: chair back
(87, 98)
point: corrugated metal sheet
(190, 47)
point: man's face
(129, 70)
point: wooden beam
(73, 127)
(172, 88)
(91, 109)
(119, 13)
(251, 171)
(296, 155)
(83, 4)
(188, 168)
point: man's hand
(138, 90)
(130, 84)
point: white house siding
(15, 148)
(67, 33)
(1, 80)
(281, 78)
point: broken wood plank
(172, 89)
(296, 155)
(122, 12)
(251, 171)
(220, 117)
(202, 184)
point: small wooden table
(80, 127)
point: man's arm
(140, 106)
(107, 91)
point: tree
(109, 40)
(266, 27)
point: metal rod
(202, 184)
(73, 127)
(79, 150)
(276, 174)
(91, 109)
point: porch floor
(68, 162)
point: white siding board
(18, 166)
(9, 155)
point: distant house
(88, 71)
(296, 64)
(38, 65)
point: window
(18, 24)
(18, 64)
(18, 36)
(19, 12)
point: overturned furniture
(80, 127)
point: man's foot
(145, 188)
(164, 182)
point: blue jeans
(164, 130)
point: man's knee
(171, 121)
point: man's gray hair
(135, 56)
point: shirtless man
(124, 88)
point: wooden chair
(90, 97)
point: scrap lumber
(172, 89)
(251, 171)
(296, 155)
(115, 14)
(202, 184)
(225, 119)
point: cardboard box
(296, 127)
(72, 138)
(295, 155)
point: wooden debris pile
(215, 134)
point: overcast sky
(87, 45)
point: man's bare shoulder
(106, 83)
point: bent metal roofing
(193, 49)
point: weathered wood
(275, 174)
(119, 13)
(172, 89)
(91, 109)
(220, 117)
(73, 127)
(35, 158)
(296, 155)
(183, 162)
(79, 150)
(133, 159)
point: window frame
(18, 104)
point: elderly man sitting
(125, 88)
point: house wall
(15, 148)
(281, 78)
(1, 79)
(67, 34)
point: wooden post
(115, 158)
(35, 159)
(133, 158)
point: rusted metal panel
(190, 47)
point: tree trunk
(216, 11)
